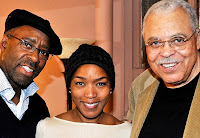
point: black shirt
(168, 114)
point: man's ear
(3, 43)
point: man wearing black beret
(26, 45)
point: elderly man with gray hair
(164, 101)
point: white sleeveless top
(59, 128)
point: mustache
(30, 63)
(167, 60)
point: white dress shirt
(7, 93)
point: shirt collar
(30, 90)
(7, 91)
(4, 83)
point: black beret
(87, 54)
(20, 17)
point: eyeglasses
(27, 46)
(176, 42)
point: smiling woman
(90, 78)
(90, 88)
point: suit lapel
(192, 128)
(144, 101)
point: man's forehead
(177, 19)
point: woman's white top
(59, 128)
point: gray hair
(167, 6)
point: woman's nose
(90, 92)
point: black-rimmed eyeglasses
(27, 46)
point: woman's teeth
(91, 105)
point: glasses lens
(178, 43)
(43, 54)
(154, 45)
(27, 46)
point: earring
(110, 91)
(69, 90)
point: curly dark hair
(88, 54)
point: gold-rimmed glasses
(176, 42)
